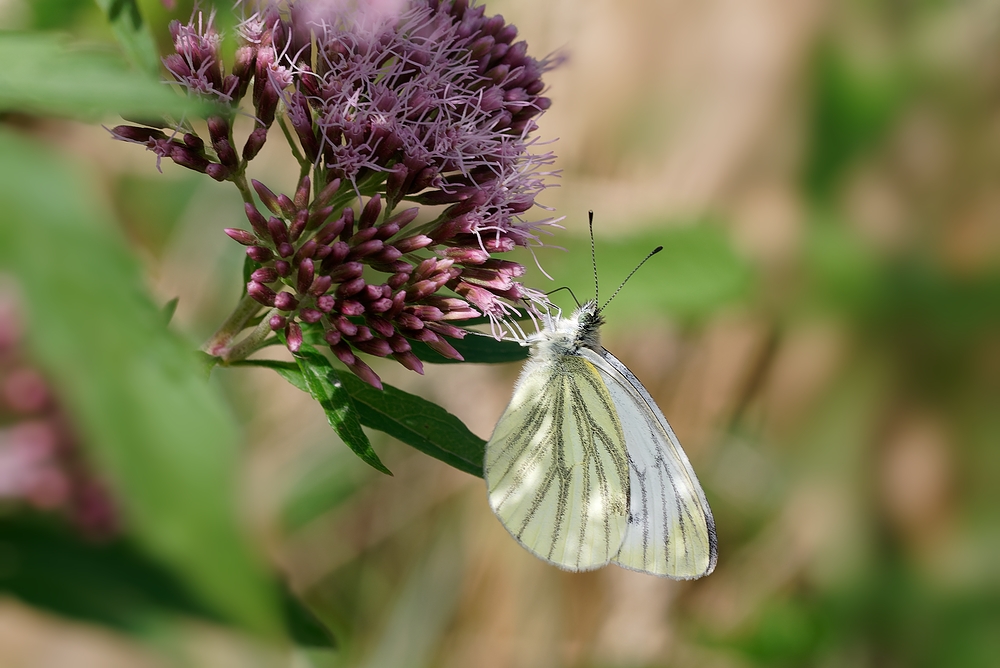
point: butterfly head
(566, 336)
(588, 321)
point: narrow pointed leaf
(326, 386)
(417, 422)
(475, 350)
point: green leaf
(419, 423)
(150, 421)
(290, 371)
(44, 74)
(132, 33)
(475, 349)
(326, 386)
(411, 419)
(111, 582)
(169, 309)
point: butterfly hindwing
(556, 468)
(671, 531)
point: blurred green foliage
(127, 380)
(697, 273)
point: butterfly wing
(671, 531)
(556, 467)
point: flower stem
(240, 181)
(219, 344)
(250, 343)
(304, 164)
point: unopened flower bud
(325, 303)
(380, 325)
(326, 194)
(377, 347)
(218, 172)
(255, 142)
(410, 361)
(240, 236)
(293, 334)
(370, 213)
(351, 287)
(350, 307)
(264, 275)
(305, 276)
(261, 293)
(310, 315)
(364, 249)
(259, 254)
(320, 286)
(285, 301)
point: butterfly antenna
(567, 289)
(632, 273)
(593, 255)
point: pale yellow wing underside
(556, 466)
(671, 531)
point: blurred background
(822, 330)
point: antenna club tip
(656, 250)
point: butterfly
(583, 468)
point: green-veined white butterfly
(584, 470)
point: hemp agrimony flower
(413, 132)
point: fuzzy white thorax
(561, 336)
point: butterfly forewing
(556, 466)
(671, 531)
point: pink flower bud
(377, 347)
(264, 275)
(240, 236)
(302, 193)
(320, 286)
(366, 248)
(259, 254)
(255, 142)
(293, 334)
(267, 197)
(257, 221)
(305, 276)
(410, 361)
(350, 307)
(261, 293)
(310, 315)
(285, 301)
(326, 303)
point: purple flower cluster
(431, 104)
(41, 464)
